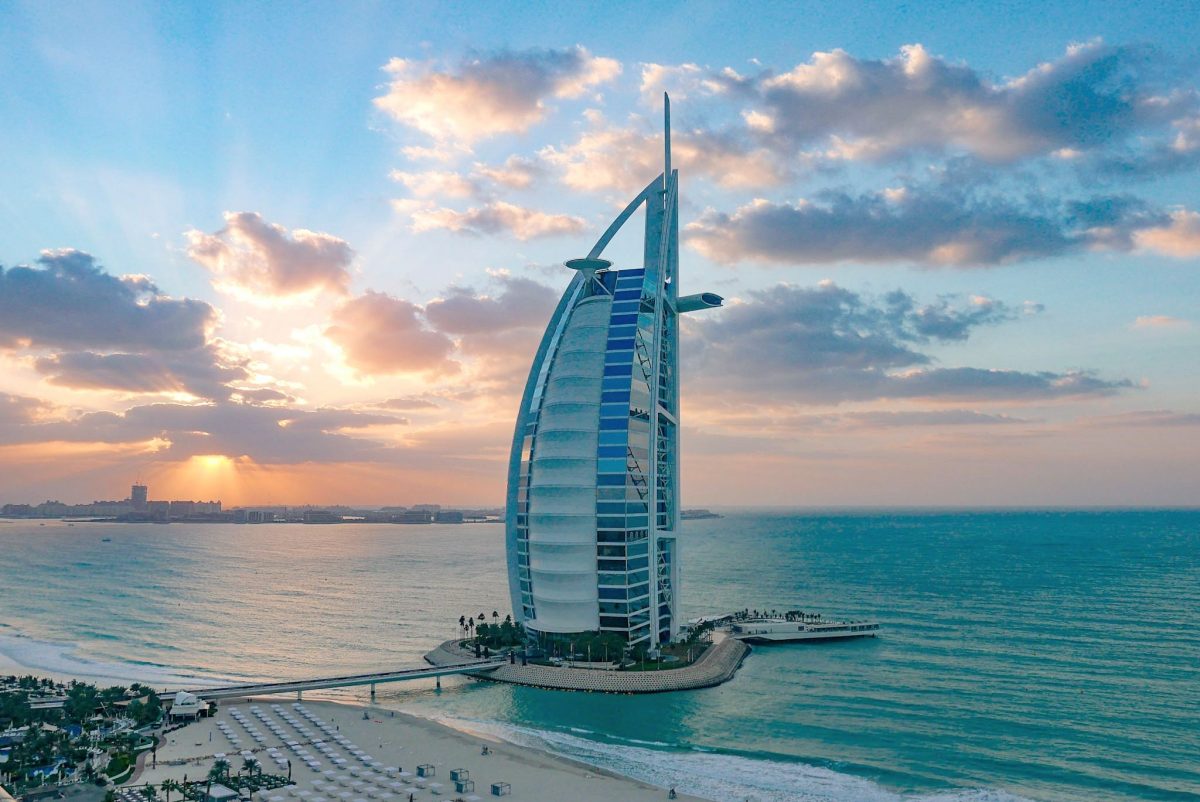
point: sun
(212, 462)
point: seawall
(715, 666)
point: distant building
(159, 510)
(137, 497)
(182, 509)
(411, 517)
(185, 706)
(448, 517)
(321, 517)
(426, 507)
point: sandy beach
(398, 742)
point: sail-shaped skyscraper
(593, 483)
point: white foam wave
(65, 660)
(712, 775)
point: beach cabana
(221, 793)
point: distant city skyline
(304, 253)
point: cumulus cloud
(91, 330)
(932, 225)
(436, 183)
(1093, 96)
(382, 334)
(202, 372)
(1179, 238)
(521, 303)
(827, 344)
(69, 301)
(498, 93)
(495, 217)
(516, 172)
(624, 158)
(263, 261)
(481, 182)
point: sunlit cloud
(496, 217)
(1161, 322)
(497, 93)
(378, 333)
(263, 262)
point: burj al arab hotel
(593, 480)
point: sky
(303, 253)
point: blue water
(1034, 655)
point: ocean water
(1039, 655)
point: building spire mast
(666, 138)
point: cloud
(1179, 238)
(1160, 322)
(408, 403)
(1088, 99)
(934, 225)
(881, 419)
(381, 334)
(826, 345)
(269, 435)
(1147, 418)
(261, 261)
(436, 184)
(70, 302)
(480, 182)
(516, 172)
(499, 93)
(521, 303)
(202, 372)
(625, 158)
(495, 217)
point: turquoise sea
(1042, 655)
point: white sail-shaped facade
(593, 486)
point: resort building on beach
(593, 483)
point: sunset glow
(937, 307)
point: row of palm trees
(218, 773)
(468, 624)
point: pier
(352, 680)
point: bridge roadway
(399, 675)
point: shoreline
(402, 739)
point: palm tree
(495, 617)
(169, 785)
(462, 622)
(248, 765)
(219, 770)
(148, 792)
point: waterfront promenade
(715, 666)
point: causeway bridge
(399, 675)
